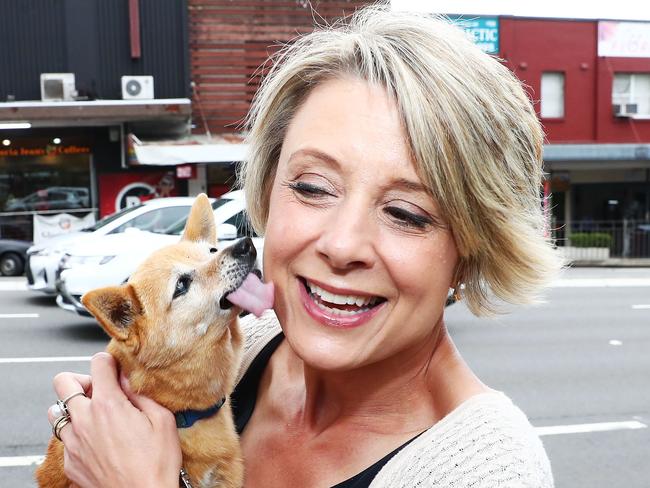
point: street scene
(577, 365)
(506, 141)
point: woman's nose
(346, 240)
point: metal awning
(191, 150)
(596, 152)
(96, 112)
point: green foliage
(591, 239)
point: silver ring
(59, 424)
(63, 404)
(57, 412)
(70, 397)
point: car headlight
(69, 261)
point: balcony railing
(595, 240)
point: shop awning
(95, 112)
(597, 152)
(189, 151)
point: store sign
(186, 172)
(52, 150)
(484, 31)
(624, 39)
(121, 190)
(47, 227)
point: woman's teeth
(332, 298)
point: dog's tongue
(253, 295)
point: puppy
(175, 334)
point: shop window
(631, 94)
(552, 103)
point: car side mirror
(226, 232)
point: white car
(155, 215)
(111, 259)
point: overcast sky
(571, 9)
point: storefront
(602, 189)
(47, 172)
(66, 163)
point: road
(578, 365)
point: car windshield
(109, 218)
(177, 227)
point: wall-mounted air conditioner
(57, 87)
(625, 109)
(137, 87)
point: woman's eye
(182, 286)
(308, 190)
(408, 219)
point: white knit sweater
(486, 442)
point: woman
(392, 161)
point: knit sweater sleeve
(487, 442)
(258, 331)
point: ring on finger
(59, 424)
(63, 404)
(56, 412)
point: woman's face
(360, 257)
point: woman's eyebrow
(406, 184)
(398, 183)
(315, 153)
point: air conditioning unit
(625, 109)
(57, 86)
(137, 87)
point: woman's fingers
(103, 369)
(155, 413)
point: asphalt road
(578, 365)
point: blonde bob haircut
(475, 139)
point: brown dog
(176, 337)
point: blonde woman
(390, 161)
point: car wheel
(11, 264)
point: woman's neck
(404, 393)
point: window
(631, 93)
(157, 220)
(552, 105)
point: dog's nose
(244, 248)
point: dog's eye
(182, 285)
(213, 250)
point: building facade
(590, 83)
(76, 77)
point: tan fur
(168, 356)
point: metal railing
(591, 240)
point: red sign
(121, 190)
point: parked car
(110, 260)
(153, 215)
(13, 255)
(52, 198)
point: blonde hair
(474, 136)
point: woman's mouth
(336, 309)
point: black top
(243, 403)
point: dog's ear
(116, 308)
(200, 223)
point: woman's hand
(116, 437)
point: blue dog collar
(186, 418)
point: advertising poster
(121, 190)
(48, 226)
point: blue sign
(484, 31)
